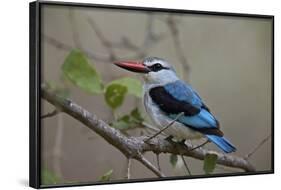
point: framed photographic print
(130, 94)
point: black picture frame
(35, 93)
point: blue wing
(184, 92)
(178, 97)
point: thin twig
(66, 47)
(201, 145)
(185, 165)
(171, 23)
(57, 150)
(139, 51)
(50, 114)
(258, 147)
(166, 127)
(103, 39)
(158, 162)
(150, 166)
(129, 168)
(75, 34)
(148, 126)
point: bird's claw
(169, 138)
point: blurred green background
(226, 59)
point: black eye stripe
(157, 67)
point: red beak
(133, 66)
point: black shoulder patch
(169, 104)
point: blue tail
(222, 143)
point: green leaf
(114, 95)
(132, 120)
(122, 123)
(134, 86)
(48, 177)
(135, 113)
(106, 176)
(58, 90)
(210, 161)
(77, 69)
(173, 159)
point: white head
(155, 70)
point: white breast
(159, 118)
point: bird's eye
(157, 66)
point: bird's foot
(169, 138)
(182, 142)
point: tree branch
(135, 147)
(66, 47)
(150, 39)
(258, 147)
(158, 162)
(150, 166)
(50, 114)
(185, 165)
(171, 23)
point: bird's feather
(222, 142)
(170, 104)
(177, 97)
(184, 92)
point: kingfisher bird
(166, 96)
